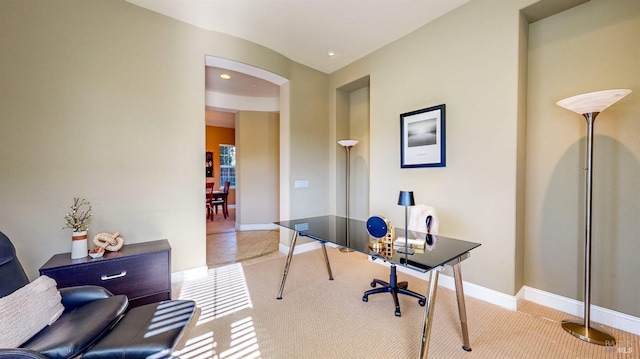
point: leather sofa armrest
(73, 297)
(18, 353)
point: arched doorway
(252, 105)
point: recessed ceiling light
(331, 53)
(225, 76)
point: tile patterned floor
(226, 245)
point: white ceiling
(302, 30)
(306, 30)
(240, 84)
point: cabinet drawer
(134, 276)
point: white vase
(79, 247)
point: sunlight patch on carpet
(224, 291)
(244, 343)
(200, 347)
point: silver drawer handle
(107, 277)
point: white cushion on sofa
(28, 310)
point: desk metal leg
(288, 263)
(428, 313)
(462, 309)
(326, 260)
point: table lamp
(406, 199)
(590, 105)
(347, 144)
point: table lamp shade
(593, 101)
(406, 198)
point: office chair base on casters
(394, 288)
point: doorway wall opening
(258, 117)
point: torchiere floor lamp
(590, 105)
(347, 144)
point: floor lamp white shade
(590, 105)
(593, 101)
(347, 144)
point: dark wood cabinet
(141, 271)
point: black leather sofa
(95, 323)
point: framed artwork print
(208, 164)
(422, 138)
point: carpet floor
(240, 317)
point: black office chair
(392, 286)
(95, 323)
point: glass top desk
(353, 234)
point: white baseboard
(256, 227)
(307, 247)
(472, 290)
(198, 272)
(479, 292)
(573, 307)
(300, 248)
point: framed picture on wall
(208, 165)
(422, 138)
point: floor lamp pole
(583, 329)
(347, 144)
(348, 171)
(589, 105)
(591, 118)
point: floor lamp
(589, 105)
(347, 144)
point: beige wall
(257, 168)
(105, 100)
(352, 122)
(309, 141)
(359, 129)
(521, 133)
(595, 46)
(468, 60)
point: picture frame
(208, 164)
(422, 138)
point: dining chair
(209, 199)
(222, 200)
(225, 205)
(227, 184)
